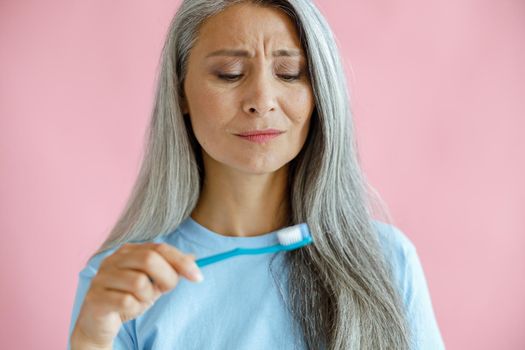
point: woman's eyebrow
(244, 53)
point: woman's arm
(422, 320)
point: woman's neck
(235, 204)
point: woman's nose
(259, 94)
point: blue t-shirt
(239, 305)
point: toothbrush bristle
(290, 235)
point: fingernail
(196, 273)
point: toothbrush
(290, 238)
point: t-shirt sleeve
(411, 281)
(124, 339)
(426, 334)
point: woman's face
(263, 84)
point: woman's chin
(247, 162)
(258, 168)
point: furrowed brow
(244, 53)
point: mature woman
(251, 132)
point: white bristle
(290, 235)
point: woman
(231, 69)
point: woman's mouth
(260, 136)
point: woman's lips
(260, 136)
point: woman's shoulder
(401, 254)
(395, 243)
(410, 277)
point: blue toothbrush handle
(237, 251)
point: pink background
(439, 103)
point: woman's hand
(122, 290)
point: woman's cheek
(201, 129)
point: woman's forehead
(283, 52)
(250, 28)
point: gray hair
(341, 289)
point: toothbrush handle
(217, 257)
(237, 251)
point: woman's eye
(229, 77)
(290, 77)
(235, 77)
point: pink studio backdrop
(439, 103)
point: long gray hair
(341, 289)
